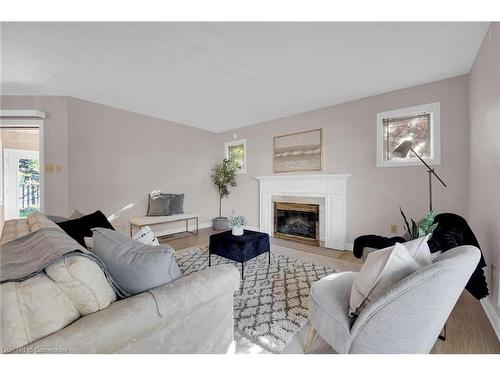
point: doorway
(21, 176)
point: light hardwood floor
(468, 327)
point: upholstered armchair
(406, 319)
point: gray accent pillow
(176, 204)
(134, 266)
(159, 205)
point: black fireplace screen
(296, 223)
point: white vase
(237, 231)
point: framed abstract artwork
(299, 152)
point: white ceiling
(221, 76)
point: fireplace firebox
(297, 222)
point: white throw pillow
(37, 221)
(76, 215)
(146, 236)
(435, 255)
(47, 302)
(84, 282)
(89, 242)
(32, 309)
(419, 250)
(381, 270)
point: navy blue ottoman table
(239, 248)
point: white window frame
(434, 109)
(238, 142)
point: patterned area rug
(273, 302)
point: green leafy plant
(224, 176)
(423, 228)
(238, 221)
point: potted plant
(223, 177)
(237, 223)
(422, 228)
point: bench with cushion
(142, 221)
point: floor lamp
(402, 150)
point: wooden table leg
(310, 340)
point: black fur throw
(452, 231)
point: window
(420, 125)
(238, 151)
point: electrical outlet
(394, 228)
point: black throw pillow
(82, 227)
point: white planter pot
(237, 231)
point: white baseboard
(492, 315)
(348, 246)
(192, 227)
(335, 245)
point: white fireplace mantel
(331, 187)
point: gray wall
(111, 159)
(485, 154)
(117, 157)
(373, 194)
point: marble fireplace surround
(328, 189)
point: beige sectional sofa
(193, 314)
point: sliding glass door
(20, 172)
(21, 182)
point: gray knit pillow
(176, 204)
(159, 205)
